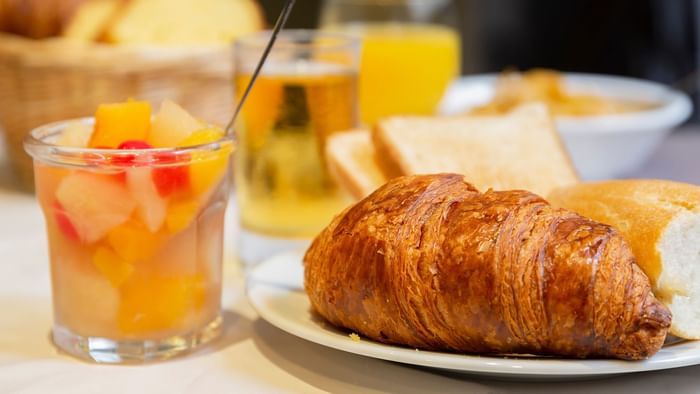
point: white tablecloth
(252, 356)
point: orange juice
(405, 68)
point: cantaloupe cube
(119, 122)
(202, 136)
(171, 125)
(206, 169)
(132, 241)
(152, 304)
(112, 266)
(180, 215)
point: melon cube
(84, 301)
(119, 122)
(75, 134)
(94, 203)
(151, 207)
(171, 125)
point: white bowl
(601, 147)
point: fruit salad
(135, 222)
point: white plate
(275, 289)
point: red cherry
(169, 180)
(128, 160)
(134, 144)
(64, 223)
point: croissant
(429, 262)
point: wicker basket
(50, 80)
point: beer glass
(306, 91)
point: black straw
(281, 21)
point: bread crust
(37, 18)
(429, 262)
(351, 162)
(640, 209)
(387, 157)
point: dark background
(651, 39)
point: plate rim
(258, 291)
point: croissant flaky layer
(429, 262)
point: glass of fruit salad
(134, 206)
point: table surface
(251, 356)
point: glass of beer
(306, 91)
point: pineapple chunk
(94, 203)
(119, 122)
(112, 266)
(171, 124)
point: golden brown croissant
(429, 262)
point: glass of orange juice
(135, 232)
(409, 54)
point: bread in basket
(56, 78)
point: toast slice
(351, 162)
(520, 150)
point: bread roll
(661, 222)
(429, 262)
(37, 18)
(177, 22)
(91, 19)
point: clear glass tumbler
(135, 276)
(410, 52)
(306, 91)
